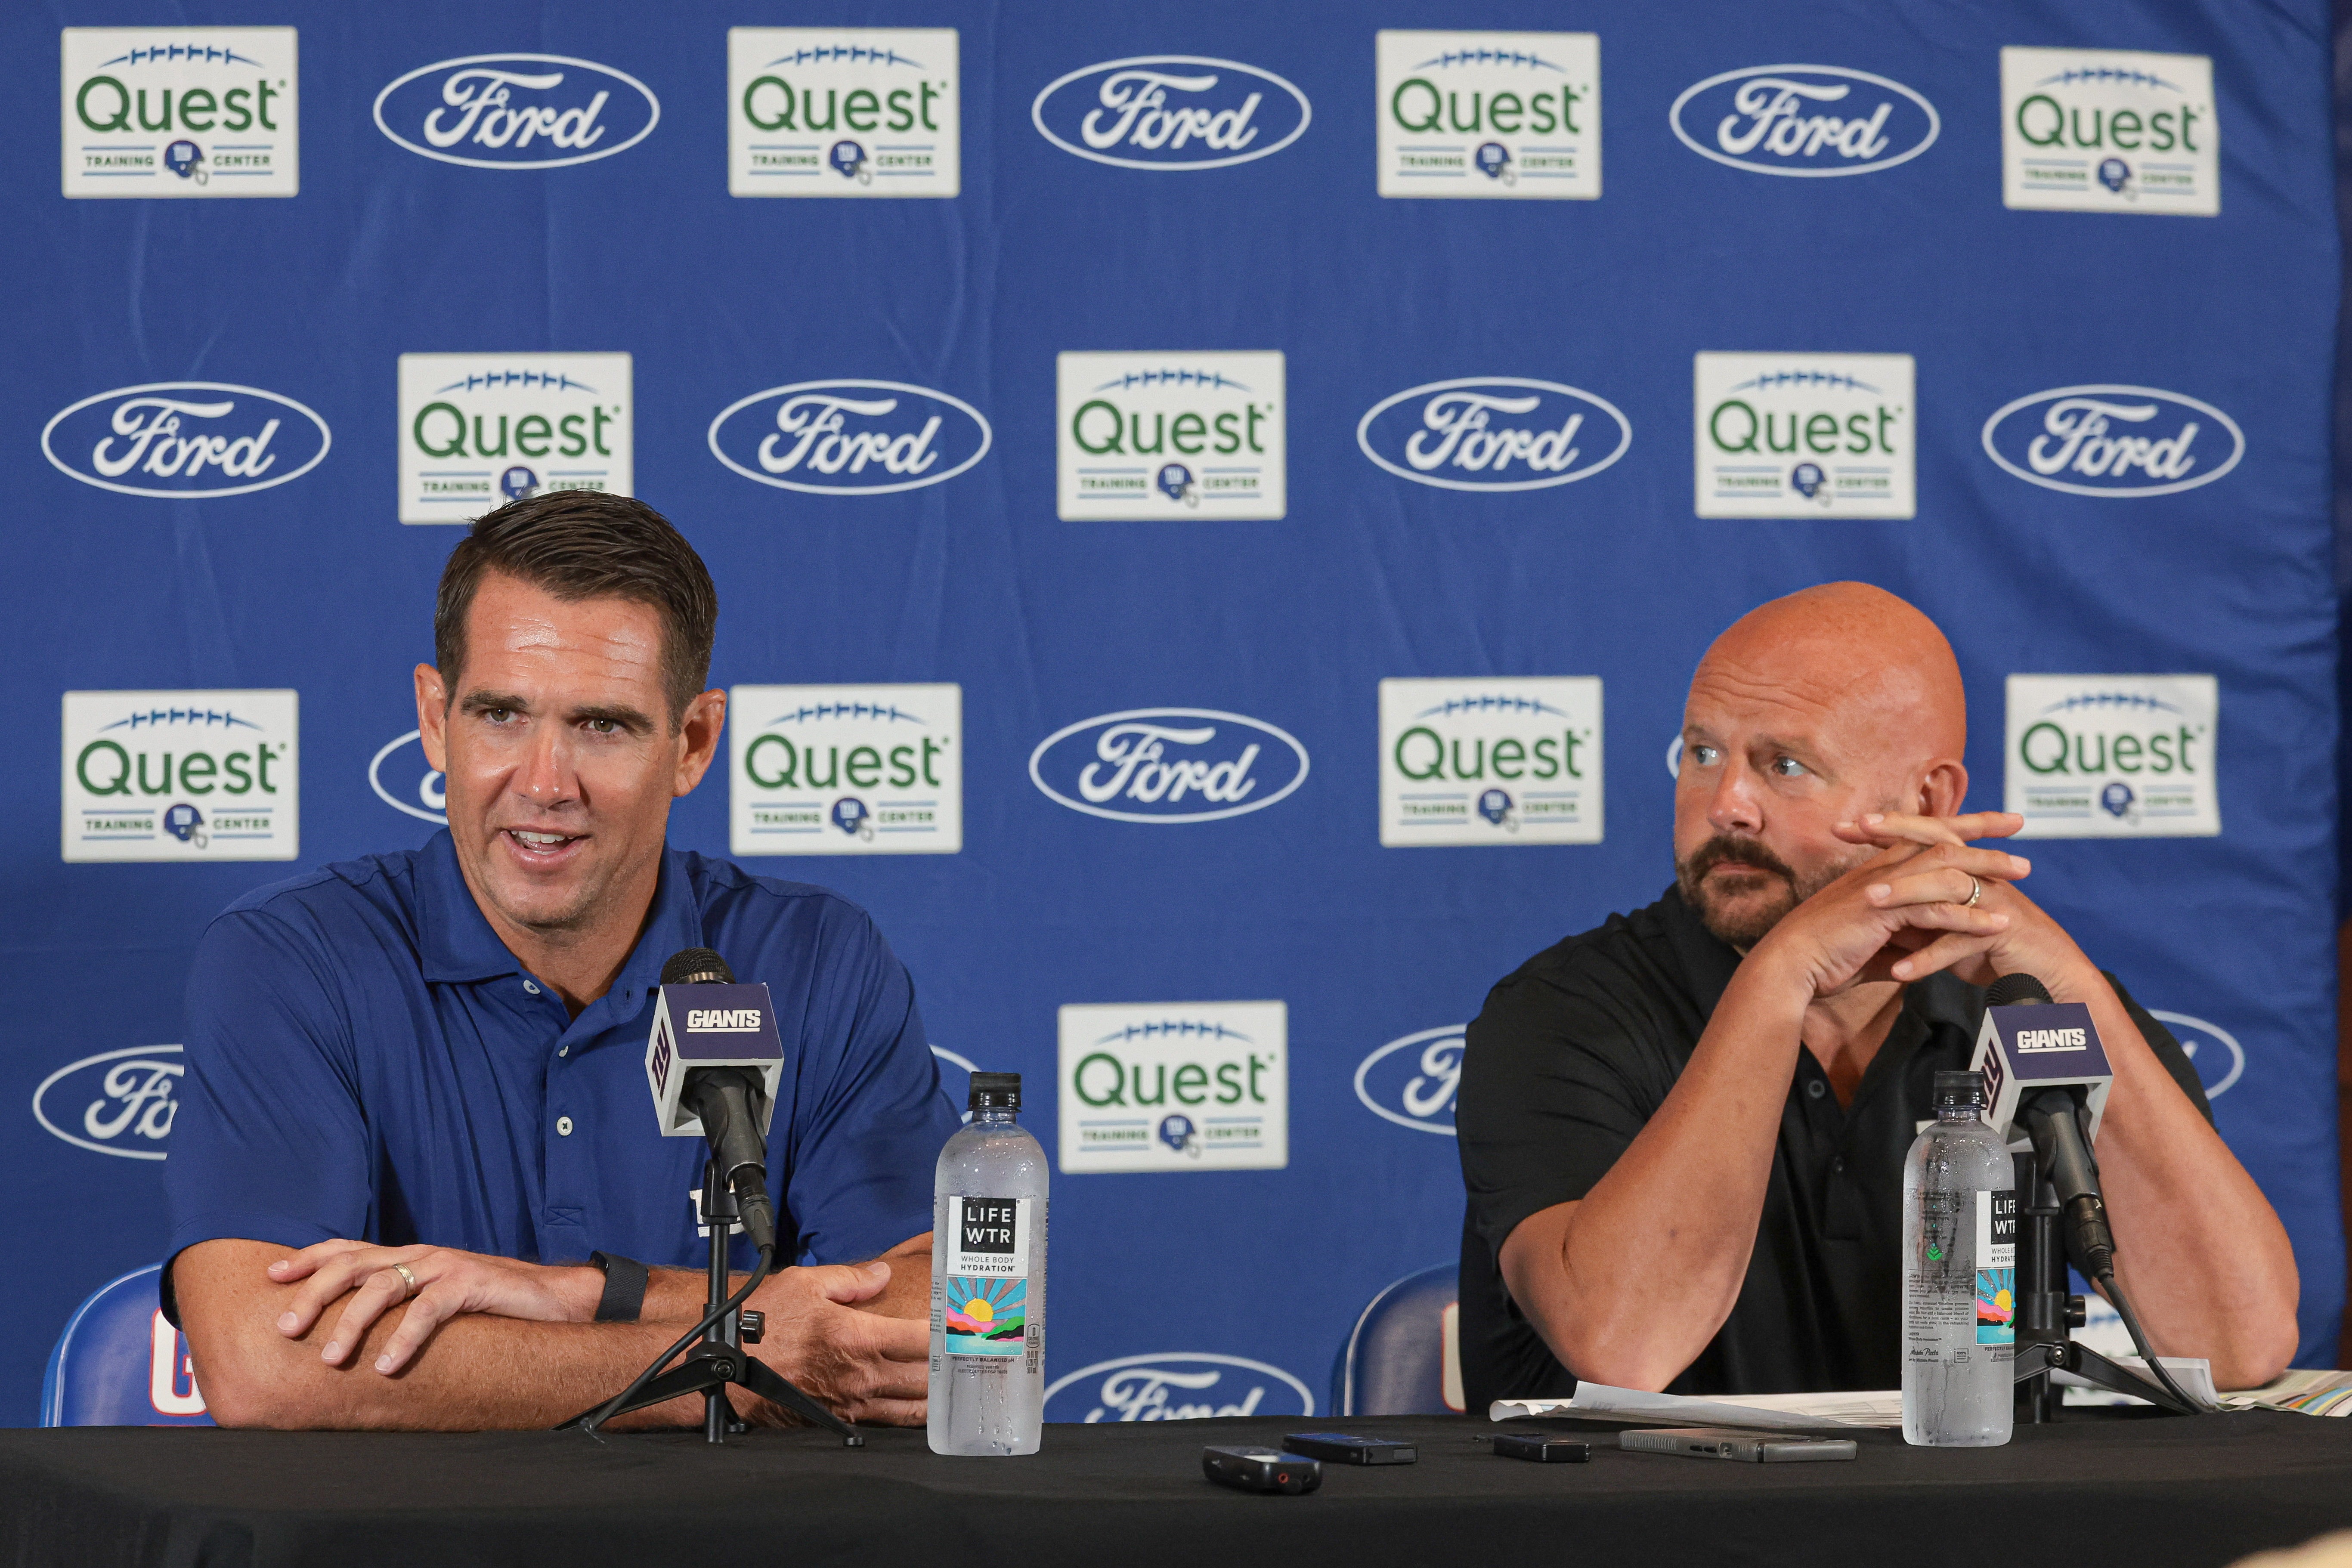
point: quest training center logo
(181, 112)
(1164, 766)
(1490, 116)
(1174, 1086)
(517, 112)
(846, 770)
(2114, 442)
(1806, 121)
(1490, 760)
(843, 112)
(1494, 433)
(1803, 436)
(182, 440)
(850, 437)
(2112, 756)
(1175, 437)
(181, 776)
(1180, 1385)
(480, 430)
(116, 1102)
(1171, 112)
(1411, 1082)
(2112, 131)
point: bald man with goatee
(1683, 1133)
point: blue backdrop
(622, 237)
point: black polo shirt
(1574, 1053)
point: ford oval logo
(1168, 764)
(117, 1102)
(2213, 1051)
(850, 437)
(1411, 1082)
(1808, 121)
(517, 112)
(1181, 1386)
(2114, 441)
(427, 797)
(1494, 433)
(1170, 112)
(180, 439)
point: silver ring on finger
(1975, 891)
(410, 1280)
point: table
(2127, 1487)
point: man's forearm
(2207, 1264)
(480, 1373)
(1628, 1285)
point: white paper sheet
(1766, 1412)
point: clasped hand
(1904, 914)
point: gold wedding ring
(410, 1280)
(1975, 891)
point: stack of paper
(2311, 1393)
(1768, 1412)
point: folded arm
(327, 1337)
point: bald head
(1865, 660)
(1810, 711)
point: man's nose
(546, 778)
(1734, 807)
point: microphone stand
(720, 1359)
(2045, 1311)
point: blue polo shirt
(365, 1058)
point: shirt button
(1817, 1089)
(530, 986)
(563, 1126)
(1838, 1163)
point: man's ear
(1943, 787)
(706, 721)
(432, 717)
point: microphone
(714, 1061)
(2054, 1080)
(2048, 1077)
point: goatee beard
(1746, 926)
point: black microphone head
(2008, 991)
(697, 966)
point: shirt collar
(459, 945)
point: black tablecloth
(2199, 1491)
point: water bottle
(988, 1281)
(1959, 1275)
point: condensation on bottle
(1959, 1275)
(988, 1281)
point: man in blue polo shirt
(417, 1180)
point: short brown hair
(586, 544)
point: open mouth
(532, 845)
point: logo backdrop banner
(1187, 513)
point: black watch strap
(625, 1288)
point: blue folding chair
(1405, 1355)
(121, 1364)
